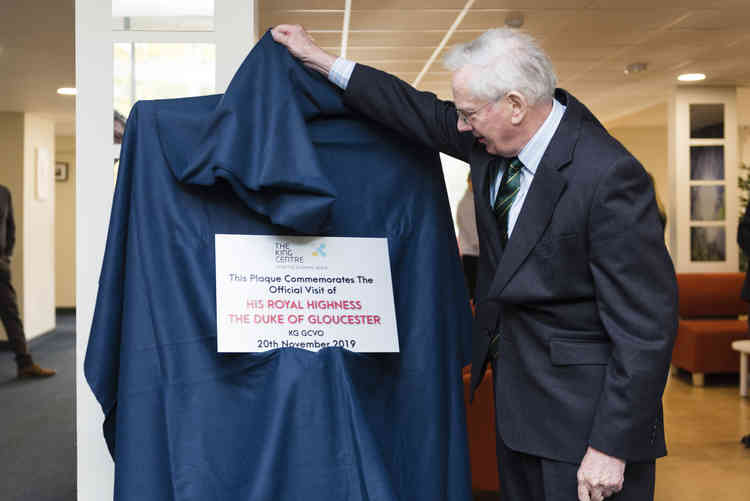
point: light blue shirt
(530, 155)
(341, 72)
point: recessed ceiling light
(635, 68)
(514, 20)
(67, 91)
(691, 77)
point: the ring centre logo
(320, 251)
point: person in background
(8, 303)
(743, 239)
(468, 241)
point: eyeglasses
(467, 116)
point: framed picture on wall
(707, 203)
(707, 163)
(707, 121)
(61, 171)
(708, 243)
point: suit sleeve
(419, 115)
(743, 231)
(636, 293)
(11, 229)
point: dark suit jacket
(584, 297)
(7, 226)
(743, 239)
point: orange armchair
(709, 306)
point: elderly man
(576, 293)
(8, 304)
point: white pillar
(93, 201)
(235, 30)
(234, 34)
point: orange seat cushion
(705, 346)
(711, 294)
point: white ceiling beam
(345, 29)
(443, 42)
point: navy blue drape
(277, 154)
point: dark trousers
(530, 478)
(470, 264)
(11, 318)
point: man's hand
(302, 46)
(599, 476)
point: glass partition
(162, 15)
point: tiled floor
(704, 426)
(706, 460)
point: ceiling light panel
(691, 77)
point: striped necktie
(509, 186)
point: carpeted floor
(37, 431)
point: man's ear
(519, 107)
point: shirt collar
(532, 153)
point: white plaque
(304, 292)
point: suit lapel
(545, 191)
(485, 217)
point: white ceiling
(37, 56)
(589, 41)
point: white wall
(33, 264)
(65, 225)
(38, 231)
(649, 146)
(744, 145)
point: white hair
(506, 60)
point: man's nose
(463, 126)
